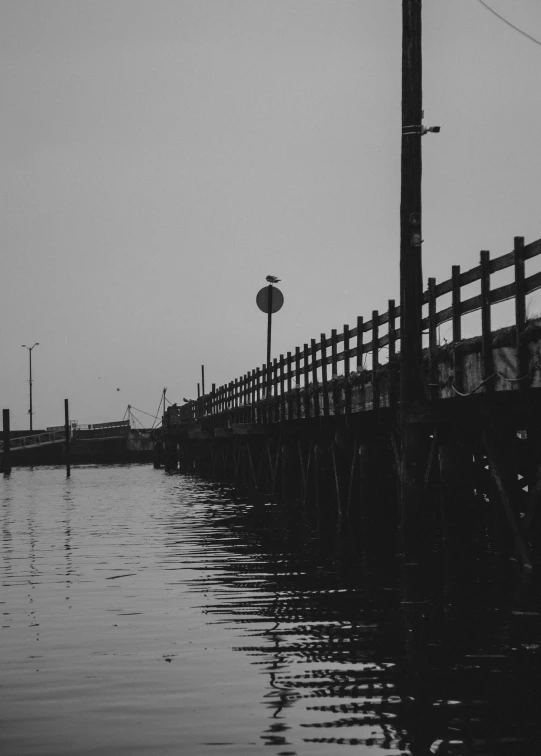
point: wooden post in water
(6, 435)
(67, 431)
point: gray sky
(160, 157)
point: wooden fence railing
(294, 381)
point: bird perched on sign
(273, 279)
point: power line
(520, 31)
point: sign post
(269, 299)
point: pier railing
(305, 383)
(37, 439)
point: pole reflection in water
(176, 619)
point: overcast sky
(160, 157)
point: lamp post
(30, 380)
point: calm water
(146, 613)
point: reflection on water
(157, 614)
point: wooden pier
(324, 428)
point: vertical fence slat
(392, 330)
(486, 328)
(346, 351)
(457, 317)
(334, 372)
(276, 400)
(457, 326)
(298, 382)
(375, 358)
(289, 361)
(258, 393)
(306, 369)
(347, 387)
(432, 339)
(282, 389)
(392, 353)
(324, 384)
(315, 384)
(334, 354)
(520, 309)
(360, 334)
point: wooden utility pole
(413, 459)
(411, 276)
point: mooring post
(6, 437)
(158, 449)
(67, 431)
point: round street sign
(262, 299)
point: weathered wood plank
(520, 307)
(306, 368)
(359, 352)
(486, 329)
(375, 359)
(334, 354)
(432, 338)
(315, 383)
(298, 382)
(282, 388)
(324, 383)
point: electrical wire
(136, 420)
(520, 31)
(143, 412)
(490, 377)
(162, 399)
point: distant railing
(296, 374)
(38, 439)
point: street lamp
(30, 381)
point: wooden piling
(6, 437)
(67, 432)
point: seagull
(185, 400)
(272, 279)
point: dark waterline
(145, 613)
